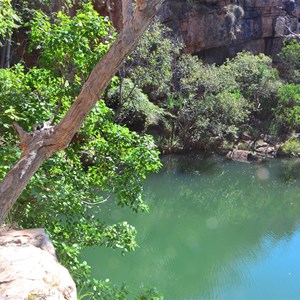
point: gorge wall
(213, 29)
(217, 29)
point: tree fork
(42, 143)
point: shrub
(290, 61)
(290, 148)
(258, 82)
(287, 112)
(133, 107)
(207, 122)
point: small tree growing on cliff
(290, 60)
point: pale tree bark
(292, 34)
(127, 9)
(42, 143)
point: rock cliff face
(29, 268)
(213, 29)
(217, 29)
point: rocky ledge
(261, 149)
(29, 268)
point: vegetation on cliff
(207, 107)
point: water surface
(216, 230)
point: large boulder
(240, 155)
(29, 268)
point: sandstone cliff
(213, 29)
(29, 268)
(217, 29)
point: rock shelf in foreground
(29, 268)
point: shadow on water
(190, 164)
(216, 230)
(290, 170)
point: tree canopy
(102, 161)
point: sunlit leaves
(290, 61)
(72, 46)
(26, 97)
(133, 105)
(125, 156)
(105, 162)
(62, 194)
(214, 101)
(151, 63)
(257, 80)
(287, 111)
(9, 19)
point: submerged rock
(29, 268)
(245, 136)
(240, 155)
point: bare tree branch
(99, 202)
(292, 34)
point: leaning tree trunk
(39, 145)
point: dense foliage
(105, 161)
(8, 19)
(145, 79)
(198, 106)
(213, 105)
(290, 61)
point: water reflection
(193, 164)
(290, 170)
(229, 232)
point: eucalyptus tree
(54, 183)
(42, 143)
